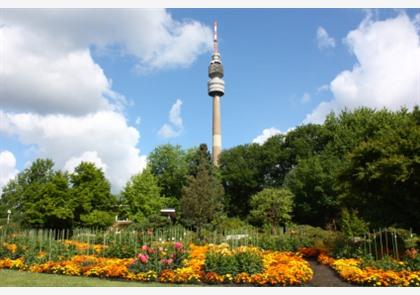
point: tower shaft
(217, 134)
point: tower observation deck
(216, 89)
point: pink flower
(143, 258)
(178, 245)
(150, 251)
(144, 247)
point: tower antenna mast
(215, 43)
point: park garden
(343, 194)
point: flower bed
(351, 271)
(170, 264)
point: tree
(141, 197)
(382, 179)
(202, 196)
(317, 197)
(39, 196)
(169, 165)
(271, 206)
(91, 195)
(240, 169)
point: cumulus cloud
(387, 72)
(59, 102)
(266, 134)
(323, 39)
(175, 125)
(35, 80)
(103, 138)
(7, 168)
(88, 156)
(46, 54)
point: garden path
(324, 276)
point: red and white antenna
(215, 45)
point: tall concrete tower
(216, 89)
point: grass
(13, 278)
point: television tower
(216, 89)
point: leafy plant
(233, 263)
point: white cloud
(175, 125)
(387, 73)
(46, 54)
(306, 97)
(323, 39)
(266, 134)
(7, 168)
(60, 103)
(70, 82)
(103, 137)
(88, 156)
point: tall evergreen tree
(202, 196)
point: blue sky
(282, 67)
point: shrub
(351, 224)
(233, 262)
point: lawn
(13, 278)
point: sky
(109, 86)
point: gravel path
(324, 276)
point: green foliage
(299, 236)
(240, 172)
(351, 224)
(97, 219)
(272, 206)
(246, 261)
(39, 196)
(169, 165)
(224, 223)
(317, 199)
(141, 197)
(202, 197)
(386, 263)
(382, 177)
(90, 191)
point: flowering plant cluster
(159, 256)
(353, 271)
(278, 268)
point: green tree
(240, 169)
(169, 165)
(382, 179)
(317, 198)
(39, 197)
(91, 195)
(271, 206)
(141, 197)
(202, 196)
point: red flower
(178, 245)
